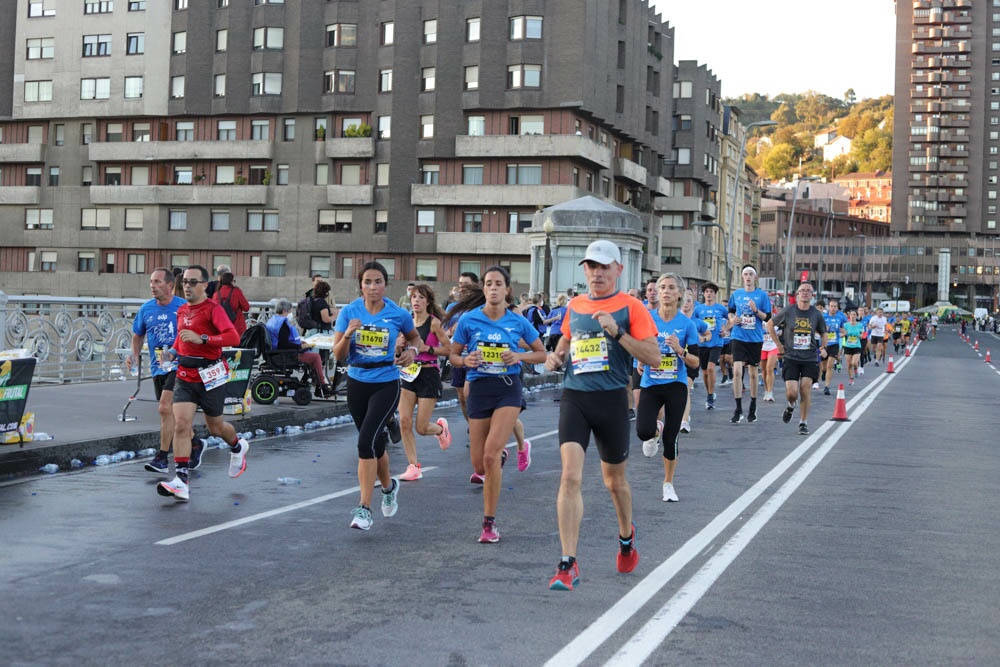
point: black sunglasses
(192, 282)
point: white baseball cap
(602, 252)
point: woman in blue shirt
(493, 338)
(365, 337)
(554, 321)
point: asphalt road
(873, 541)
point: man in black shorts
(602, 331)
(803, 332)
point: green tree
(784, 115)
(780, 161)
(850, 96)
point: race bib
(800, 341)
(214, 376)
(492, 358)
(710, 321)
(852, 341)
(409, 373)
(667, 369)
(831, 337)
(748, 321)
(372, 341)
(589, 352)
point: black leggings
(371, 405)
(673, 398)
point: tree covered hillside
(776, 152)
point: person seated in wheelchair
(284, 336)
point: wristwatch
(618, 336)
(204, 338)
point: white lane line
(644, 642)
(585, 643)
(287, 508)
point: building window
(268, 38)
(268, 2)
(472, 77)
(427, 269)
(430, 31)
(388, 33)
(336, 220)
(260, 130)
(38, 218)
(137, 5)
(682, 155)
(350, 174)
(319, 266)
(282, 176)
(262, 221)
(265, 83)
(682, 89)
(180, 4)
(136, 263)
(220, 220)
(37, 91)
(382, 174)
(226, 130)
(59, 138)
(53, 176)
(349, 126)
(219, 85)
(183, 175)
(37, 8)
(133, 218)
(472, 223)
(49, 258)
(347, 267)
(257, 172)
(98, 6)
(86, 261)
(288, 129)
(342, 34)
(41, 48)
(185, 130)
(425, 222)
(221, 40)
(532, 125)
(525, 27)
(178, 220)
(470, 266)
(381, 221)
(87, 176)
(340, 81)
(524, 174)
(225, 175)
(472, 29)
(384, 127)
(524, 76)
(322, 174)
(430, 174)
(95, 218)
(476, 126)
(33, 177)
(385, 80)
(276, 266)
(133, 87)
(135, 43)
(179, 42)
(389, 264)
(114, 132)
(427, 76)
(176, 87)
(427, 126)
(472, 174)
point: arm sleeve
(227, 332)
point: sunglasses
(191, 282)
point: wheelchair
(278, 372)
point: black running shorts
(603, 413)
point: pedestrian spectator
(284, 336)
(315, 279)
(404, 301)
(554, 323)
(214, 285)
(602, 332)
(178, 283)
(233, 301)
(322, 309)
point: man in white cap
(601, 333)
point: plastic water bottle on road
(49, 468)
(289, 481)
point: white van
(895, 306)
(981, 314)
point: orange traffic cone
(890, 368)
(987, 356)
(907, 351)
(840, 407)
(976, 346)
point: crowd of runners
(624, 360)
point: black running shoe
(394, 433)
(159, 464)
(786, 416)
(631, 414)
(737, 416)
(751, 416)
(826, 391)
(803, 428)
(197, 449)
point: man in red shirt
(203, 329)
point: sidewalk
(83, 420)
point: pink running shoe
(412, 473)
(476, 478)
(444, 438)
(524, 457)
(490, 534)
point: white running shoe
(769, 396)
(176, 487)
(390, 504)
(361, 518)
(816, 386)
(669, 495)
(685, 426)
(238, 460)
(650, 446)
(861, 371)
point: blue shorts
(487, 394)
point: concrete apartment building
(947, 148)
(292, 137)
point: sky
(788, 46)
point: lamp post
(861, 269)
(725, 242)
(788, 238)
(728, 238)
(822, 248)
(548, 227)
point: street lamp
(861, 269)
(728, 238)
(725, 242)
(822, 248)
(788, 238)
(548, 227)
